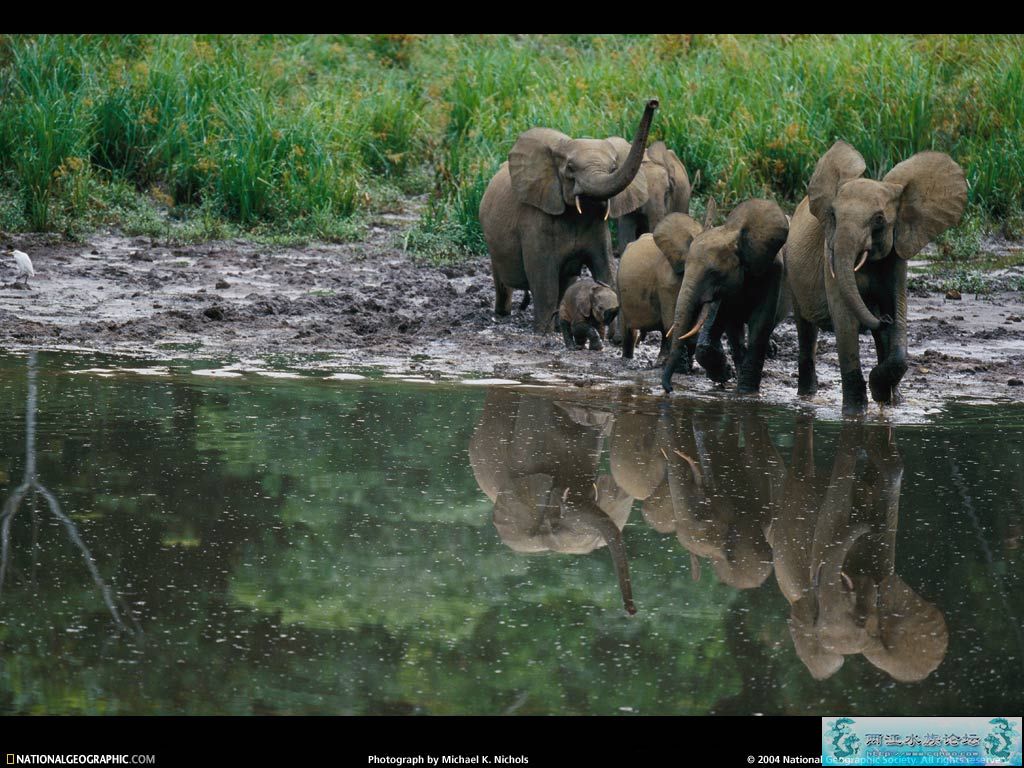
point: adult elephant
(846, 261)
(537, 459)
(668, 191)
(833, 542)
(733, 278)
(544, 214)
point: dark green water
(202, 546)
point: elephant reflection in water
(708, 478)
(537, 460)
(834, 545)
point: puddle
(204, 545)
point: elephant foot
(855, 400)
(885, 387)
(712, 360)
(807, 380)
(596, 346)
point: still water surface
(175, 544)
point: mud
(355, 307)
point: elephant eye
(877, 221)
(570, 167)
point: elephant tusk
(847, 580)
(607, 210)
(663, 453)
(578, 209)
(698, 325)
(565, 495)
(693, 466)
(832, 264)
(670, 329)
(595, 491)
(863, 258)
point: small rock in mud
(954, 294)
(222, 284)
(1016, 382)
(214, 313)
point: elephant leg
(502, 298)
(855, 391)
(525, 302)
(545, 303)
(760, 324)
(891, 344)
(567, 334)
(807, 338)
(734, 333)
(628, 339)
(672, 362)
(595, 339)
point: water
(198, 545)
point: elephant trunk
(613, 538)
(847, 284)
(614, 183)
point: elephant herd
(840, 262)
(716, 482)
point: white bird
(24, 263)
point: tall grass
(291, 133)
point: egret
(24, 263)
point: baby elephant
(587, 307)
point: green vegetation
(297, 136)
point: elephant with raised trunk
(846, 261)
(732, 284)
(544, 214)
(834, 548)
(537, 459)
(668, 191)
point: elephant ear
(710, 211)
(523, 511)
(836, 167)
(678, 180)
(912, 633)
(534, 164)
(820, 662)
(762, 228)
(674, 236)
(933, 199)
(633, 196)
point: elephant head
(866, 221)
(591, 302)
(552, 171)
(675, 235)
(722, 259)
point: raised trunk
(846, 281)
(613, 538)
(613, 184)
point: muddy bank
(368, 304)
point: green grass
(303, 136)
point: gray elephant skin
(668, 191)
(846, 261)
(650, 274)
(732, 285)
(833, 542)
(585, 312)
(544, 214)
(537, 459)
